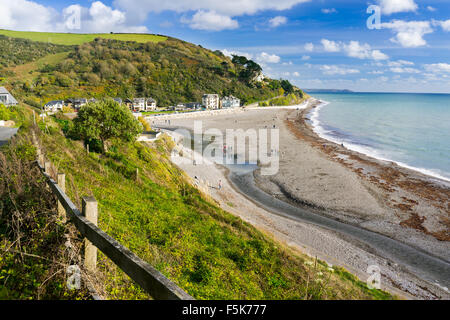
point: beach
(335, 183)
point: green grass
(208, 252)
(78, 38)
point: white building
(6, 98)
(139, 104)
(54, 106)
(151, 104)
(211, 101)
(230, 102)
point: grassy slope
(208, 252)
(77, 38)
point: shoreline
(317, 127)
(387, 175)
(325, 244)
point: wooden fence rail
(150, 279)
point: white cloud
(25, 16)
(404, 70)
(328, 11)
(394, 6)
(277, 21)
(296, 74)
(333, 70)
(230, 8)
(31, 16)
(211, 21)
(438, 67)
(354, 49)
(400, 63)
(376, 72)
(229, 53)
(267, 58)
(445, 25)
(330, 46)
(409, 33)
(309, 47)
(431, 9)
(304, 58)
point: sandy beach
(333, 182)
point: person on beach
(220, 184)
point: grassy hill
(171, 71)
(69, 39)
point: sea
(412, 130)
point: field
(77, 38)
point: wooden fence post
(47, 168)
(62, 186)
(41, 160)
(90, 211)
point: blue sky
(314, 44)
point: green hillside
(80, 38)
(171, 71)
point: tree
(287, 86)
(106, 119)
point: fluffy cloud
(330, 46)
(404, 70)
(400, 63)
(445, 25)
(31, 16)
(267, 58)
(304, 58)
(210, 20)
(277, 21)
(354, 49)
(394, 6)
(309, 47)
(334, 70)
(25, 15)
(409, 34)
(363, 51)
(101, 18)
(263, 57)
(438, 68)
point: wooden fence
(150, 279)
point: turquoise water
(412, 130)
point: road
(6, 134)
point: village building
(211, 101)
(193, 105)
(6, 98)
(151, 104)
(54, 106)
(139, 104)
(230, 102)
(76, 103)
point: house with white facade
(54, 106)
(139, 104)
(6, 98)
(211, 101)
(230, 102)
(151, 104)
